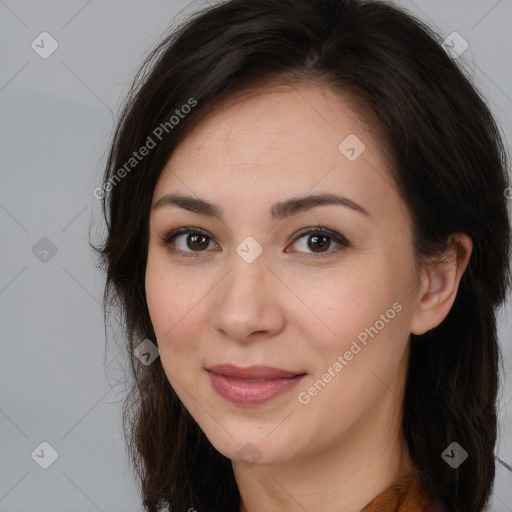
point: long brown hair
(449, 164)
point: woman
(306, 213)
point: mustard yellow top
(405, 495)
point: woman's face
(322, 316)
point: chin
(251, 449)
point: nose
(247, 302)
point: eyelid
(168, 237)
(338, 238)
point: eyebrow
(278, 210)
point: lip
(252, 385)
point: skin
(293, 308)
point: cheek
(363, 303)
(175, 323)
(174, 308)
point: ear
(440, 283)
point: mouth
(253, 385)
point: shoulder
(406, 495)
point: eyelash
(318, 230)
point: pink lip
(235, 384)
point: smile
(253, 385)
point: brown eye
(319, 241)
(197, 242)
(310, 241)
(187, 240)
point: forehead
(285, 118)
(284, 139)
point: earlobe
(440, 285)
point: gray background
(56, 117)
